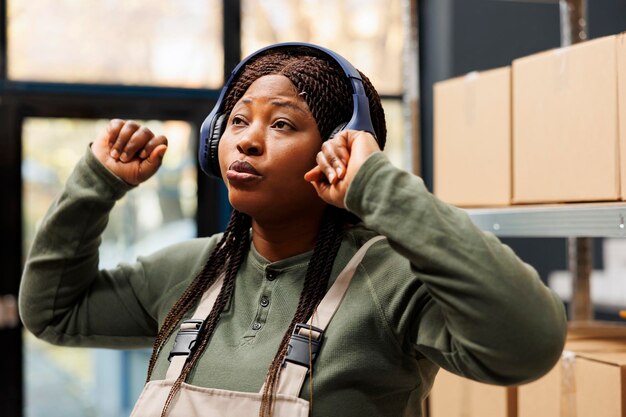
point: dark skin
(272, 129)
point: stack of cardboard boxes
(545, 130)
(551, 128)
(589, 381)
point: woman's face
(270, 142)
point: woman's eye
(280, 124)
(237, 120)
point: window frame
(22, 99)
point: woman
(437, 292)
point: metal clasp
(186, 338)
(298, 350)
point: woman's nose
(252, 142)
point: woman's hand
(129, 150)
(338, 162)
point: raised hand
(129, 150)
(338, 162)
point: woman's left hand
(338, 162)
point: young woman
(435, 292)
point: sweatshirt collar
(296, 261)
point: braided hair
(328, 94)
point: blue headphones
(215, 123)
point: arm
(487, 316)
(64, 298)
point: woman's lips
(242, 171)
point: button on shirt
(270, 274)
(265, 301)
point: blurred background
(68, 66)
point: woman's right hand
(129, 150)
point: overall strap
(306, 339)
(186, 337)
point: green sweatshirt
(438, 292)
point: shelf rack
(576, 222)
(566, 220)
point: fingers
(131, 136)
(327, 176)
(322, 189)
(330, 193)
(128, 139)
(326, 167)
(338, 162)
(315, 175)
(113, 130)
(152, 144)
(119, 142)
(108, 136)
(153, 161)
(333, 158)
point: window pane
(138, 42)
(99, 382)
(395, 148)
(366, 32)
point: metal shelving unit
(577, 222)
(566, 220)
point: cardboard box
(553, 395)
(583, 384)
(565, 125)
(543, 397)
(472, 139)
(621, 84)
(600, 386)
(560, 393)
(453, 396)
(589, 382)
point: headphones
(215, 123)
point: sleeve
(64, 298)
(486, 315)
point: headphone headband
(214, 124)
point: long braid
(207, 276)
(315, 285)
(240, 245)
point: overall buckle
(186, 338)
(298, 349)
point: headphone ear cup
(214, 141)
(337, 130)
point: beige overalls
(193, 401)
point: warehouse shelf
(564, 220)
(577, 222)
